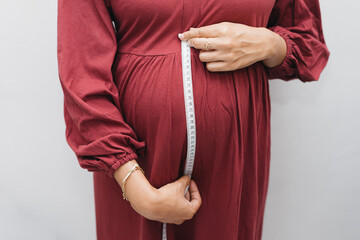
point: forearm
(276, 49)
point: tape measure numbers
(190, 115)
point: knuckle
(230, 43)
(241, 44)
(222, 30)
(231, 56)
(227, 43)
(244, 43)
(217, 31)
(199, 31)
(226, 29)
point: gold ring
(207, 44)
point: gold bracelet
(134, 168)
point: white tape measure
(190, 115)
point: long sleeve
(86, 48)
(299, 23)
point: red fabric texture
(299, 23)
(95, 128)
(123, 100)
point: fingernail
(189, 43)
(181, 36)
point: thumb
(195, 195)
(184, 181)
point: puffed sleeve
(86, 48)
(299, 23)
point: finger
(204, 31)
(195, 195)
(184, 181)
(219, 66)
(187, 196)
(211, 56)
(200, 43)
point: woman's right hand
(172, 206)
(166, 204)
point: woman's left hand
(233, 46)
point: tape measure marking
(190, 115)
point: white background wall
(314, 188)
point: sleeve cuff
(119, 162)
(285, 69)
(102, 163)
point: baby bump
(152, 103)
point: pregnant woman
(121, 74)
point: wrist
(120, 173)
(275, 50)
(150, 201)
(143, 197)
(138, 190)
(270, 44)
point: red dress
(123, 100)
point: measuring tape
(190, 115)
